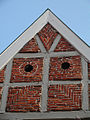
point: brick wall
(64, 46)
(89, 71)
(47, 35)
(61, 97)
(2, 75)
(24, 99)
(30, 47)
(64, 97)
(72, 73)
(19, 74)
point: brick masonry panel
(30, 47)
(64, 46)
(64, 97)
(2, 75)
(47, 36)
(24, 99)
(20, 75)
(56, 71)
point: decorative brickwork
(47, 35)
(64, 46)
(0, 94)
(72, 73)
(64, 97)
(30, 47)
(24, 99)
(2, 75)
(20, 75)
(89, 71)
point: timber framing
(11, 52)
(50, 115)
(84, 113)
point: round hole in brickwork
(65, 65)
(28, 68)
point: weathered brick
(64, 97)
(56, 71)
(64, 46)
(24, 99)
(2, 75)
(30, 47)
(47, 35)
(20, 75)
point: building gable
(46, 75)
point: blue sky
(17, 15)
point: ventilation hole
(65, 65)
(28, 68)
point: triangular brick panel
(63, 46)
(2, 75)
(30, 47)
(47, 36)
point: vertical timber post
(44, 98)
(84, 85)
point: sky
(17, 15)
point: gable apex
(31, 31)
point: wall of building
(38, 81)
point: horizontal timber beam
(51, 54)
(24, 84)
(64, 82)
(49, 115)
(63, 54)
(29, 55)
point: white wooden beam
(29, 55)
(5, 88)
(64, 54)
(85, 104)
(45, 84)
(40, 44)
(49, 115)
(56, 41)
